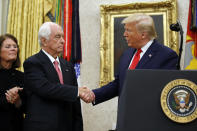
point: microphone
(175, 27)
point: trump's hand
(86, 94)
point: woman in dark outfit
(11, 83)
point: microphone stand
(181, 46)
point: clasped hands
(12, 96)
(86, 94)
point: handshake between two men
(86, 94)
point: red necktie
(58, 71)
(136, 59)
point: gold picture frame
(111, 15)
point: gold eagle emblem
(181, 98)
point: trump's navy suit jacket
(50, 105)
(157, 56)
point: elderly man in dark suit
(144, 53)
(51, 86)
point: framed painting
(113, 44)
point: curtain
(24, 20)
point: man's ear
(144, 35)
(43, 41)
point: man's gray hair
(144, 23)
(45, 31)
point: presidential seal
(179, 100)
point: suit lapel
(47, 64)
(65, 68)
(129, 57)
(147, 56)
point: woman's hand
(13, 97)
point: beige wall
(103, 116)
(3, 15)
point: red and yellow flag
(190, 60)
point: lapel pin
(150, 55)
